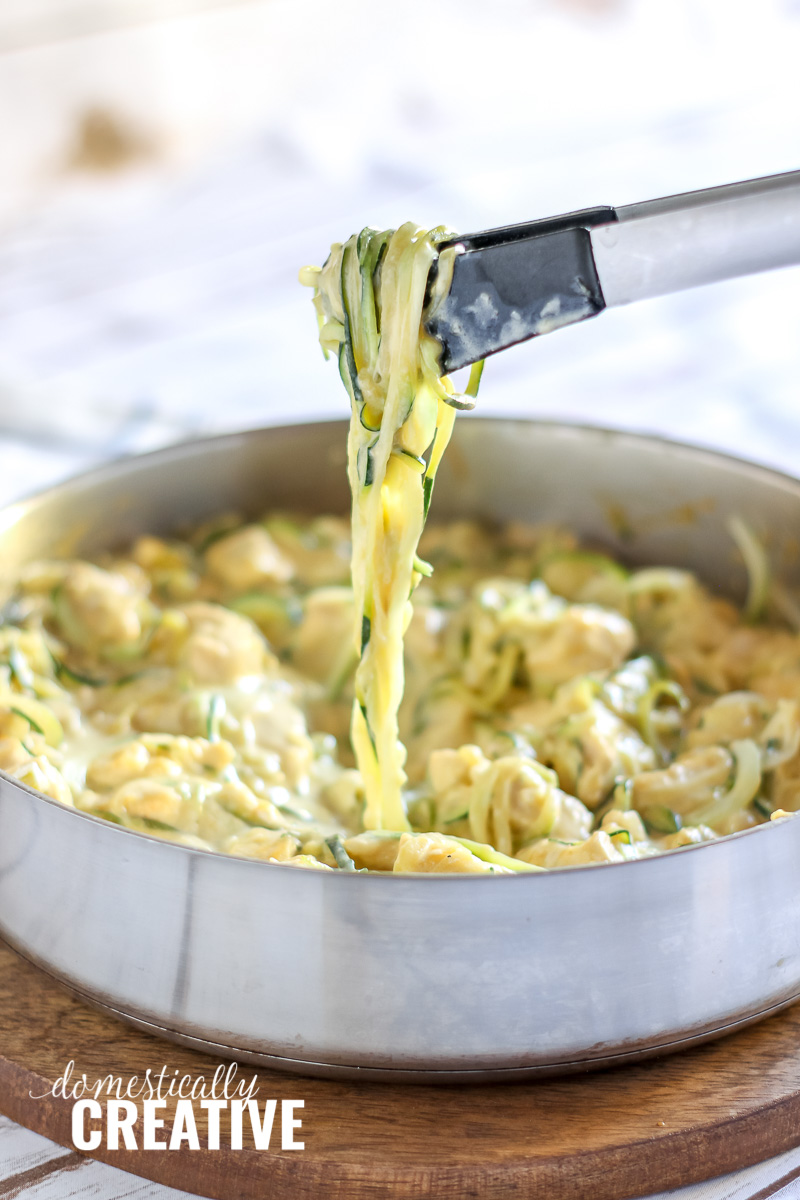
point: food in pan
(559, 709)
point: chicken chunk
(591, 747)
(221, 646)
(264, 844)
(585, 639)
(690, 784)
(599, 848)
(248, 559)
(432, 852)
(100, 610)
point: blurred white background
(167, 165)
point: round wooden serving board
(609, 1135)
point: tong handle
(684, 241)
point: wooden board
(609, 1135)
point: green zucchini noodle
(757, 564)
(402, 415)
(649, 710)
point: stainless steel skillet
(420, 978)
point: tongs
(520, 281)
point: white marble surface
(161, 302)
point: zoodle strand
(371, 301)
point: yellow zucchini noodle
(402, 415)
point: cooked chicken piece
(248, 559)
(599, 848)
(266, 844)
(689, 785)
(426, 852)
(221, 646)
(100, 610)
(592, 748)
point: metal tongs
(518, 282)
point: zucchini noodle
(650, 709)
(371, 301)
(745, 785)
(757, 564)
